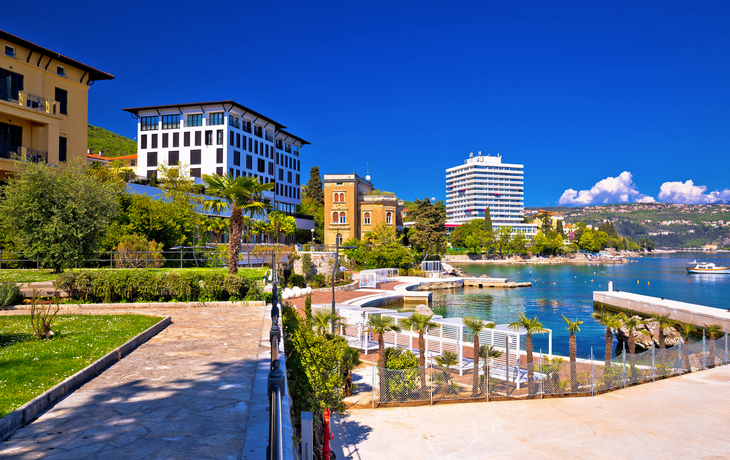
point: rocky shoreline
(619, 258)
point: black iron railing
(276, 384)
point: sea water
(568, 290)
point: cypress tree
(488, 222)
(315, 189)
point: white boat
(708, 267)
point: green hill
(113, 145)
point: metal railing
(19, 152)
(545, 376)
(32, 101)
(276, 382)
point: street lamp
(312, 230)
(334, 273)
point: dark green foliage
(559, 228)
(307, 266)
(429, 236)
(319, 281)
(308, 310)
(113, 145)
(297, 280)
(397, 358)
(10, 294)
(108, 286)
(314, 187)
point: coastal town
(184, 275)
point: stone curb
(32, 409)
(347, 287)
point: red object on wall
(326, 448)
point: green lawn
(31, 275)
(29, 366)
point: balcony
(17, 152)
(269, 137)
(32, 101)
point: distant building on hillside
(352, 208)
(43, 104)
(485, 183)
(221, 137)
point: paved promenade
(184, 394)
(679, 418)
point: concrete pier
(699, 315)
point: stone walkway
(184, 394)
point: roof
(126, 157)
(281, 131)
(94, 74)
(136, 110)
(94, 156)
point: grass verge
(29, 366)
(32, 275)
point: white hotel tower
(484, 182)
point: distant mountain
(721, 202)
(113, 145)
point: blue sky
(580, 92)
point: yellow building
(43, 104)
(352, 207)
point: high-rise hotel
(221, 137)
(485, 183)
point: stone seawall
(349, 287)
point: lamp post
(312, 230)
(334, 273)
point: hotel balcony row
(17, 152)
(31, 101)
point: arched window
(337, 197)
(335, 217)
(343, 218)
(366, 218)
(389, 218)
(342, 197)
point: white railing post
(307, 444)
(704, 355)
(592, 385)
(624, 362)
(373, 381)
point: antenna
(471, 155)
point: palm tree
(322, 319)
(476, 325)
(573, 327)
(241, 195)
(445, 361)
(350, 360)
(380, 324)
(664, 322)
(218, 226)
(487, 352)
(685, 330)
(531, 326)
(631, 324)
(610, 321)
(421, 324)
(714, 332)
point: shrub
(297, 280)
(396, 358)
(307, 266)
(134, 251)
(10, 294)
(318, 281)
(153, 286)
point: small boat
(708, 267)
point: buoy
(688, 281)
(637, 281)
(648, 283)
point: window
(219, 156)
(195, 172)
(170, 121)
(261, 165)
(236, 158)
(61, 71)
(62, 98)
(215, 118)
(151, 173)
(176, 140)
(219, 170)
(339, 240)
(10, 84)
(143, 141)
(195, 119)
(198, 138)
(152, 159)
(219, 137)
(366, 218)
(62, 148)
(186, 139)
(278, 144)
(249, 162)
(389, 218)
(250, 141)
(231, 138)
(154, 141)
(173, 158)
(335, 217)
(343, 218)
(165, 140)
(288, 178)
(209, 137)
(297, 181)
(281, 174)
(258, 131)
(271, 168)
(238, 140)
(9, 51)
(147, 123)
(256, 147)
(195, 157)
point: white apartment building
(485, 183)
(220, 137)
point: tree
(487, 352)
(281, 223)
(476, 325)
(519, 244)
(559, 228)
(502, 239)
(531, 326)
(632, 324)
(573, 327)
(242, 195)
(308, 311)
(421, 324)
(663, 322)
(58, 215)
(686, 330)
(430, 228)
(314, 188)
(714, 332)
(218, 226)
(610, 321)
(324, 320)
(380, 325)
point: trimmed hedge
(111, 286)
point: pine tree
(559, 228)
(429, 233)
(314, 187)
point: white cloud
(689, 193)
(610, 190)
